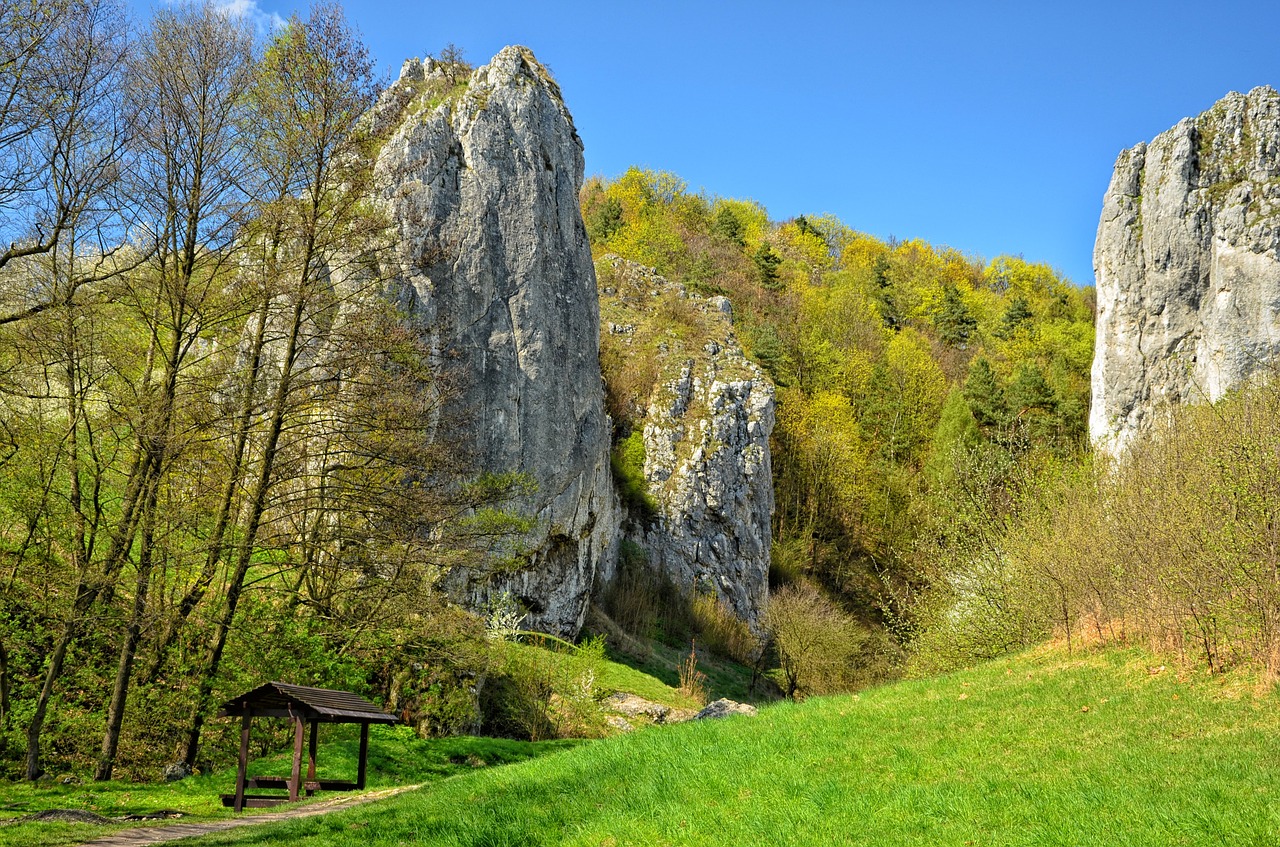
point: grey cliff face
(483, 188)
(1187, 268)
(706, 437)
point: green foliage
(896, 380)
(627, 462)
(1017, 314)
(537, 693)
(1173, 545)
(815, 641)
(957, 432)
(726, 224)
(605, 220)
(953, 320)
(984, 393)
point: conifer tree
(954, 322)
(985, 395)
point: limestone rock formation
(482, 185)
(1188, 274)
(706, 426)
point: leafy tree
(1032, 402)
(1017, 314)
(985, 395)
(957, 432)
(884, 295)
(605, 219)
(312, 86)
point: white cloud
(263, 20)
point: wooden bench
(262, 801)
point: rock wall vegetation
(693, 455)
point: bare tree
(189, 73)
(312, 86)
(61, 129)
(64, 137)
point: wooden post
(299, 725)
(311, 754)
(243, 767)
(364, 755)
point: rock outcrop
(482, 185)
(706, 424)
(1188, 274)
(724, 708)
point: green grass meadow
(1040, 749)
(396, 757)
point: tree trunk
(128, 649)
(244, 421)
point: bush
(815, 641)
(1177, 544)
(538, 693)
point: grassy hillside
(1042, 748)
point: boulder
(723, 708)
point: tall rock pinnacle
(483, 187)
(1187, 267)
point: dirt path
(172, 832)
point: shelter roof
(280, 699)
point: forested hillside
(917, 387)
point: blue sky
(990, 127)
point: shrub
(539, 693)
(816, 642)
(693, 682)
(1178, 544)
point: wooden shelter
(304, 706)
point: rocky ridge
(1188, 273)
(706, 426)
